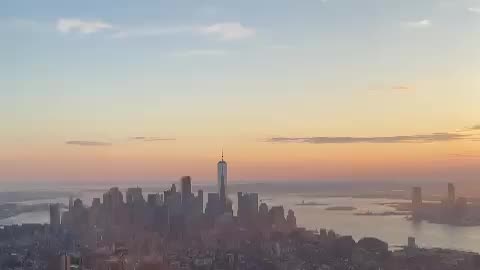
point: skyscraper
(213, 208)
(247, 206)
(451, 194)
(153, 200)
(186, 185)
(200, 201)
(416, 197)
(291, 220)
(113, 198)
(134, 195)
(54, 216)
(70, 203)
(277, 216)
(173, 200)
(222, 182)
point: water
(393, 229)
(31, 217)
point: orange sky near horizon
(249, 160)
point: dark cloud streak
(428, 138)
(151, 139)
(465, 156)
(88, 143)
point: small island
(341, 208)
(382, 214)
(304, 203)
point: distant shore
(11, 209)
(341, 208)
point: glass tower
(222, 181)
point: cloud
(151, 31)
(428, 138)
(224, 31)
(228, 31)
(400, 87)
(200, 52)
(475, 127)
(151, 139)
(471, 130)
(474, 9)
(88, 143)
(394, 88)
(81, 26)
(465, 156)
(419, 24)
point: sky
(321, 90)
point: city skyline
(341, 90)
(137, 233)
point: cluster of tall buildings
(173, 213)
(448, 211)
(450, 201)
(170, 228)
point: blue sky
(330, 37)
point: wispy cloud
(475, 127)
(200, 52)
(228, 31)
(465, 156)
(88, 143)
(400, 87)
(428, 138)
(65, 25)
(394, 88)
(474, 9)
(151, 139)
(151, 31)
(470, 129)
(224, 31)
(418, 24)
